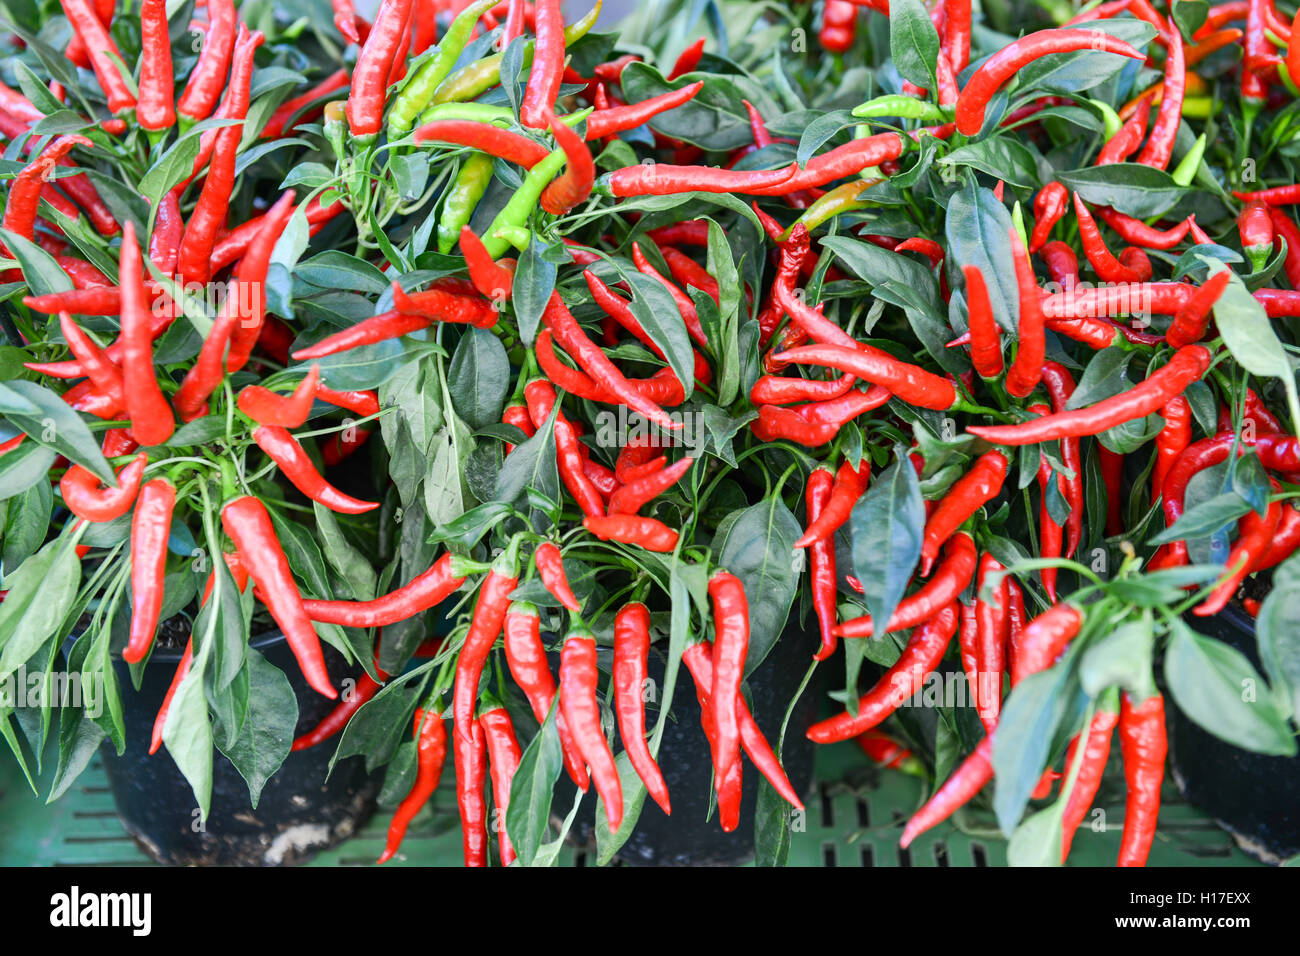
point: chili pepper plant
(505, 351)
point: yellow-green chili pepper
(419, 89)
(471, 183)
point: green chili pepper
(1185, 171)
(419, 89)
(841, 199)
(521, 205)
(900, 105)
(1110, 119)
(517, 236)
(475, 112)
(481, 75)
(471, 183)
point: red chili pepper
(839, 23)
(1255, 226)
(683, 302)
(925, 648)
(283, 449)
(1007, 62)
(956, 33)
(1277, 196)
(103, 51)
(291, 112)
(593, 361)
(87, 500)
(386, 325)
(208, 78)
(503, 756)
(950, 578)
(616, 119)
(150, 529)
(1091, 766)
(992, 623)
(168, 228)
(25, 189)
(1125, 142)
(850, 484)
(334, 722)
(431, 754)
(1106, 265)
(698, 659)
(574, 477)
(730, 646)
(193, 259)
(637, 492)
(573, 186)
(1193, 317)
(821, 329)
(249, 525)
(821, 561)
(968, 494)
(663, 179)
(1143, 744)
(155, 109)
(550, 566)
(151, 416)
(493, 280)
(1049, 207)
(486, 624)
(1060, 386)
(776, 390)
(271, 408)
(1173, 438)
(447, 300)
(648, 533)
(1252, 546)
(965, 782)
(235, 243)
(102, 372)
(526, 658)
(968, 645)
(578, 686)
(985, 337)
(1187, 365)
(1160, 144)
(548, 67)
(1043, 640)
(1050, 534)
(365, 105)
(486, 138)
(631, 647)
(688, 272)
(910, 383)
(426, 590)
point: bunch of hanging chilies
(119, 381)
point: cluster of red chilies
(119, 381)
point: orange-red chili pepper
(950, 578)
(283, 449)
(578, 685)
(648, 533)
(631, 647)
(430, 755)
(85, 498)
(150, 529)
(968, 494)
(1143, 744)
(849, 485)
(151, 416)
(1049, 207)
(208, 78)
(821, 562)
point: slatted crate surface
(854, 817)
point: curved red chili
(631, 647)
(578, 686)
(824, 579)
(503, 760)
(85, 498)
(430, 755)
(849, 485)
(150, 528)
(1143, 744)
(283, 449)
(1193, 316)
(550, 567)
(950, 578)
(910, 383)
(151, 416)
(968, 494)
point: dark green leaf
(886, 526)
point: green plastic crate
(854, 816)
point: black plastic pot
(1256, 798)
(690, 837)
(299, 813)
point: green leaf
(1204, 519)
(1141, 191)
(188, 735)
(758, 548)
(346, 559)
(634, 794)
(977, 228)
(913, 41)
(1248, 333)
(531, 790)
(1001, 156)
(1216, 686)
(1104, 377)
(335, 269)
(267, 732)
(1277, 628)
(478, 378)
(1037, 840)
(1120, 658)
(662, 321)
(1190, 15)
(817, 133)
(1020, 749)
(533, 285)
(40, 594)
(886, 525)
(59, 427)
(41, 272)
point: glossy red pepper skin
(730, 794)
(1164, 131)
(365, 104)
(985, 337)
(1043, 640)
(631, 648)
(1049, 206)
(1125, 142)
(1003, 65)
(778, 390)
(548, 64)
(1174, 437)
(1192, 319)
(485, 138)
(923, 652)
(578, 686)
(155, 109)
(648, 533)
(285, 411)
(430, 756)
(85, 498)
(1050, 534)
(616, 119)
(968, 494)
(103, 51)
(663, 179)
(334, 722)
(291, 112)
(849, 485)
(150, 529)
(1088, 782)
(526, 658)
(25, 190)
(824, 578)
(1107, 267)
(550, 567)
(1060, 386)
(1187, 365)
(249, 525)
(730, 647)
(950, 578)
(638, 492)
(965, 782)
(485, 626)
(282, 448)
(698, 659)
(386, 325)
(683, 302)
(251, 274)
(493, 280)
(574, 185)
(99, 368)
(908, 382)
(1144, 746)
(992, 624)
(503, 760)
(208, 78)
(151, 416)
